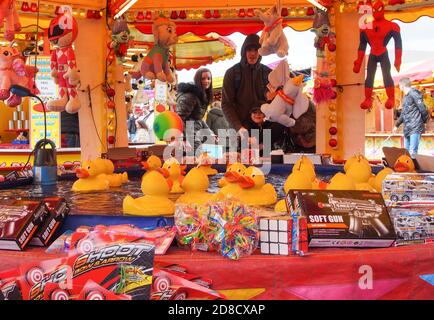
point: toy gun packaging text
(19, 220)
(338, 218)
(58, 210)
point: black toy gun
(362, 213)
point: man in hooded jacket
(244, 86)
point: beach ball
(167, 125)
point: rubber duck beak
(164, 172)
(145, 165)
(81, 173)
(170, 183)
(246, 182)
(322, 185)
(183, 168)
(232, 176)
(401, 167)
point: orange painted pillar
(351, 118)
(90, 51)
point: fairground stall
(86, 213)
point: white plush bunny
(288, 101)
(272, 40)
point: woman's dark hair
(198, 83)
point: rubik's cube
(277, 237)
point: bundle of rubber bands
(228, 227)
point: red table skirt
(388, 273)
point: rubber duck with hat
(62, 32)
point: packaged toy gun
(363, 214)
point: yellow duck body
(296, 180)
(114, 179)
(155, 201)
(255, 191)
(195, 185)
(89, 178)
(175, 174)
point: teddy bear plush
(13, 71)
(272, 39)
(290, 102)
(155, 64)
(9, 14)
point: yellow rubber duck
(114, 179)
(341, 181)
(378, 182)
(152, 163)
(404, 164)
(230, 181)
(89, 178)
(204, 163)
(296, 180)
(305, 165)
(360, 171)
(195, 185)
(254, 189)
(175, 173)
(232, 174)
(355, 158)
(155, 201)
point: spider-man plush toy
(378, 37)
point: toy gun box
(413, 222)
(408, 187)
(58, 211)
(338, 218)
(19, 220)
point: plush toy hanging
(62, 32)
(290, 102)
(120, 39)
(272, 40)
(324, 37)
(9, 14)
(155, 64)
(13, 71)
(378, 36)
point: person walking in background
(192, 103)
(131, 125)
(413, 116)
(216, 119)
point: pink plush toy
(62, 32)
(14, 71)
(155, 64)
(9, 14)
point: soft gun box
(19, 220)
(58, 210)
(338, 218)
(408, 187)
(413, 222)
